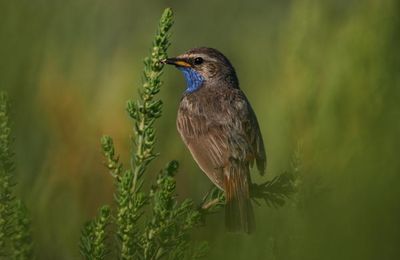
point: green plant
(15, 233)
(166, 232)
(93, 239)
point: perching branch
(273, 192)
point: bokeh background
(322, 76)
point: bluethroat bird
(220, 128)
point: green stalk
(147, 109)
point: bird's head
(205, 67)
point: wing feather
(250, 131)
(208, 148)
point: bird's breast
(203, 110)
(191, 120)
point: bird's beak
(177, 62)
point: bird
(220, 129)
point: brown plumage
(218, 125)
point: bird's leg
(209, 204)
(210, 191)
(213, 198)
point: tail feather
(239, 215)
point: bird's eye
(198, 61)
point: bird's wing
(250, 131)
(207, 144)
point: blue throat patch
(194, 80)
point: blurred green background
(321, 75)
